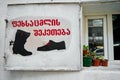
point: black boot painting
(18, 46)
(51, 45)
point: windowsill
(113, 66)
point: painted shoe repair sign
(41, 43)
(39, 35)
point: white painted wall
(98, 73)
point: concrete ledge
(114, 66)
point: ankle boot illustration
(20, 40)
(51, 45)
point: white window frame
(104, 32)
(110, 38)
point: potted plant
(104, 62)
(87, 60)
(96, 61)
(85, 50)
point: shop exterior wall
(54, 1)
(84, 74)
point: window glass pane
(116, 36)
(95, 36)
(95, 23)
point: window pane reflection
(95, 35)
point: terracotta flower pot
(85, 52)
(104, 62)
(96, 62)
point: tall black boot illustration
(51, 45)
(18, 46)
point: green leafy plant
(85, 47)
(85, 50)
(99, 57)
